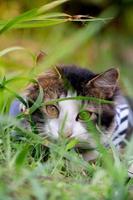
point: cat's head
(65, 117)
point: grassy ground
(24, 175)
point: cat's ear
(104, 84)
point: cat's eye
(52, 111)
(85, 116)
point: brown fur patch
(103, 85)
(51, 84)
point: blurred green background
(111, 46)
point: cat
(113, 120)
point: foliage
(65, 175)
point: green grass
(65, 175)
(24, 175)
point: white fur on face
(69, 110)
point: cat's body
(113, 121)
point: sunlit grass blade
(79, 98)
(40, 23)
(17, 48)
(52, 15)
(29, 15)
(50, 6)
(10, 49)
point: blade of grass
(79, 98)
(16, 48)
(44, 21)
(10, 49)
(40, 23)
(50, 6)
(10, 24)
(30, 14)
(37, 104)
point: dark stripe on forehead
(77, 77)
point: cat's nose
(68, 133)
